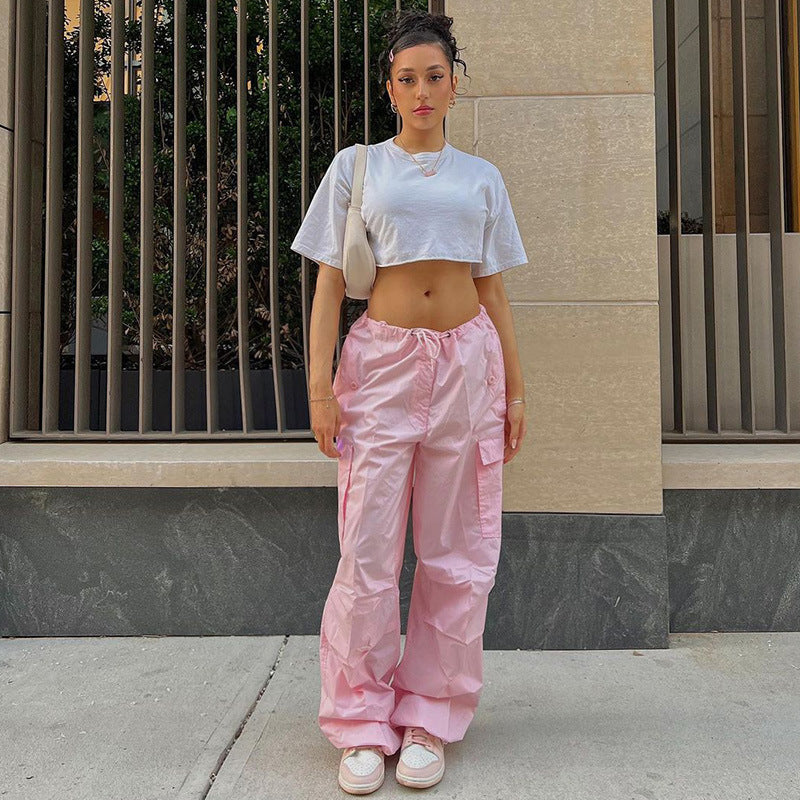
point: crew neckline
(396, 147)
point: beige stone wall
(561, 100)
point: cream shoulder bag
(358, 260)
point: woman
(427, 393)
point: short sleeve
(502, 242)
(321, 234)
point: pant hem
(356, 733)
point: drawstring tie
(430, 339)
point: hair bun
(411, 27)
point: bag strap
(358, 176)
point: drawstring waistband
(429, 338)
(383, 329)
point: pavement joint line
(196, 787)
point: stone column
(561, 99)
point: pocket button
(353, 385)
(492, 378)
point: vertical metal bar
(398, 121)
(337, 128)
(7, 367)
(305, 288)
(274, 297)
(742, 182)
(116, 211)
(179, 222)
(83, 312)
(673, 136)
(337, 78)
(709, 213)
(212, 126)
(242, 284)
(793, 120)
(777, 214)
(37, 136)
(53, 227)
(367, 73)
(146, 221)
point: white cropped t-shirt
(462, 213)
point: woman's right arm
(324, 330)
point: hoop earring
(452, 103)
(393, 107)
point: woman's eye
(405, 80)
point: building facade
(623, 520)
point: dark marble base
(734, 559)
(580, 581)
(238, 561)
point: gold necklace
(427, 171)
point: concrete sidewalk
(234, 718)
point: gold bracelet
(515, 400)
(314, 399)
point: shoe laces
(350, 750)
(420, 736)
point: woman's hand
(515, 430)
(325, 422)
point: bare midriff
(424, 294)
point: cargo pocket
(489, 467)
(343, 480)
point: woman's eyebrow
(411, 69)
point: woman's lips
(423, 111)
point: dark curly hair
(411, 27)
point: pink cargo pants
(425, 408)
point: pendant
(428, 172)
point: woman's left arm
(492, 295)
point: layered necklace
(426, 171)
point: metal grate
(106, 402)
(730, 338)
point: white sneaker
(361, 769)
(421, 762)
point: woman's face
(420, 76)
